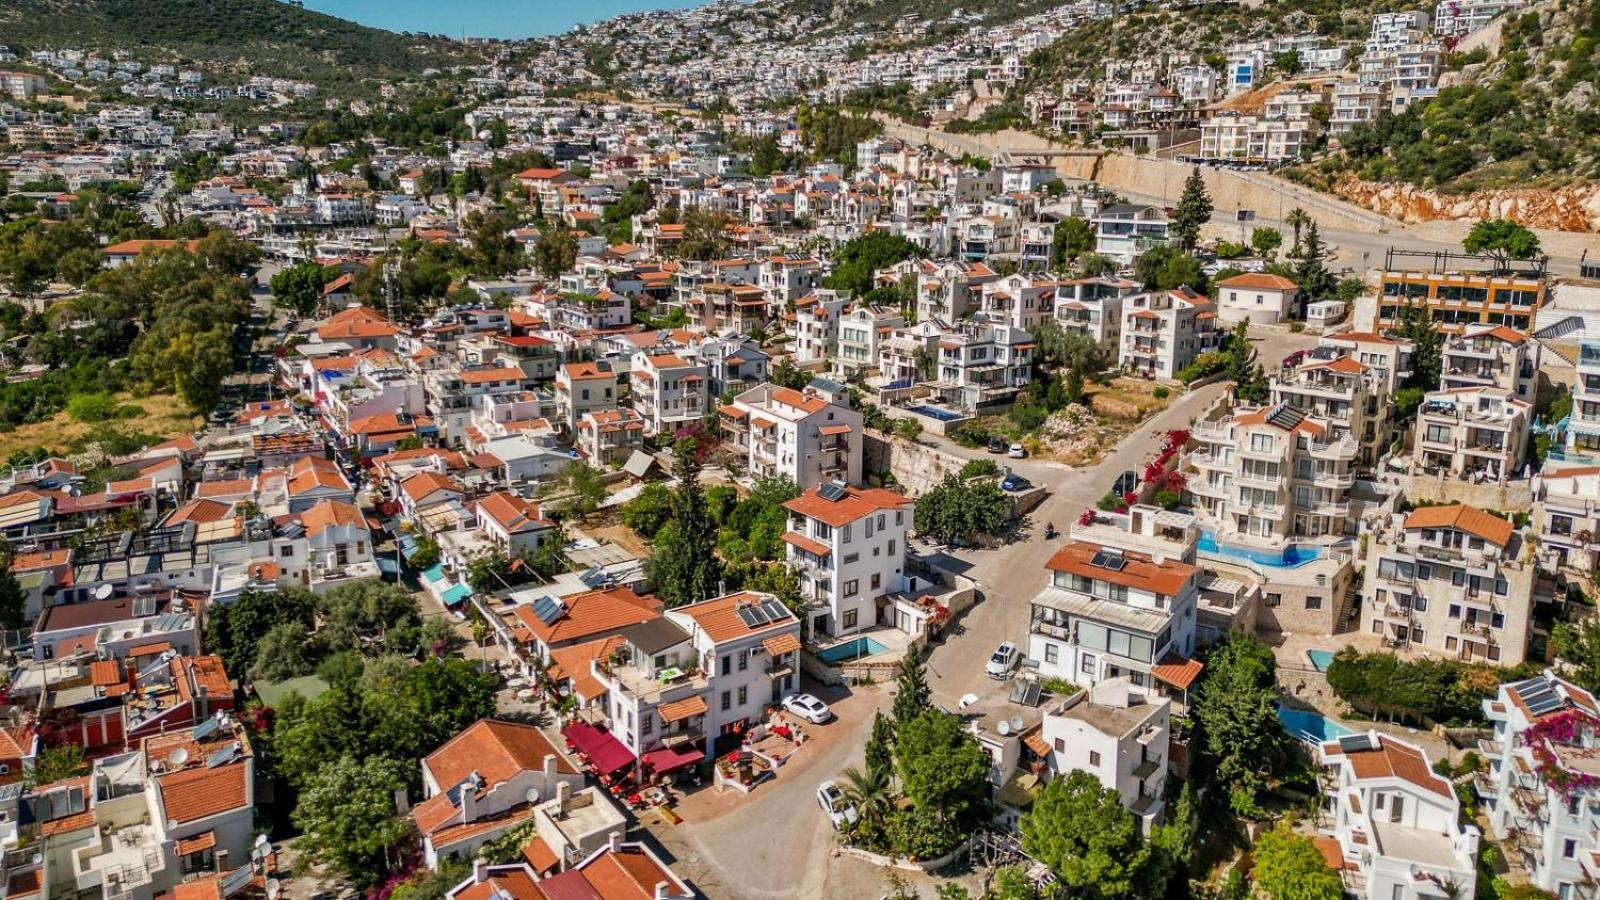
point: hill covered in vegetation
(264, 37)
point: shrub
(1167, 499)
(96, 407)
(1161, 393)
(979, 468)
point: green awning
(457, 594)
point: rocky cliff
(1574, 208)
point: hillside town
(634, 471)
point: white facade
(848, 552)
(797, 433)
(1118, 736)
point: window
(1313, 603)
(1569, 848)
(1455, 611)
(844, 535)
(744, 694)
(851, 557)
(1420, 604)
(891, 548)
(1260, 442)
(851, 587)
(1274, 599)
(850, 618)
(727, 700)
(1052, 653)
(647, 723)
(1061, 745)
(1094, 758)
(744, 662)
(727, 664)
(1086, 664)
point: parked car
(1126, 482)
(1017, 451)
(1005, 659)
(997, 445)
(1015, 483)
(833, 802)
(807, 707)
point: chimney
(614, 842)
(549, 768)
(563, 797)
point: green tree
(869, 791)
(705, 234)
(57, 764)
(1266, 241)
(1079, 829)
(858, 259)
(1415, 324)
(1193, 211)
(556, 251)
(13, 600)
(281, 654)
(1311, 270)
(1502, 239)
(789, 374)
(1297, 219)
(348, 815)
(649, 511)
(235, 631)
(1290, 867)
(494, 253)
(880, 744)
(1244, 740)
(684, 566)
(1250, 383)
(585, 488)
(912, 696)
(957, 511)
(942, 770)
(1072, 240)
(299, 287)
(226, 254)
(1012, 883)
(907, 428)
(1579, 647)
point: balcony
(1343, 480)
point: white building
(1473, 433)
(668, 390)
(1163, 331)
(800, 434)
(1257, 298)
(847, 545)
(1124, 232)
(1119, 736)
(1396, 823)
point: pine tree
(1194, 210)
(880, 746)
(685, 567)
(912, 696)
(1311, 273)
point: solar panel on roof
(205, 729)
(1116, 563)
(1030, 694)
(753, 616)
(1351, 743)
(1542, 702)
(547, 609)
(223, 756)
(1099, 560)
(1286, 417)
(832, 491)
(1528, 684)
(775, 611)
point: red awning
(669, 760)
(604, 751)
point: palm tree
(868, 791)
(1297, 219)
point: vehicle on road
(1125, 482)
(1017, 451)
(807, 707)
(997, 445)
(1005, 659)
(833, 802)
(1015, 483)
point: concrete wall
(1512, 496)
(916, 467)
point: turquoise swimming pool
(1289, 557)
(839, 653)
(1320, 659)
(1310, 726)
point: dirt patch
(1081, 434)
(164, 416)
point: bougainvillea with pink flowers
(1570, 728)
(1086, 518)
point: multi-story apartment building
(1355, 103)
(1108, 613)
(748, 645)
(1582, 440)
(848, 547)
(1163, 331)
(1458, 299)
(862, 332)
(1539, 793)
(816, 324)
(607, 437)
(949, 291)
(668, 390)
(1451, 580)
(585, 387)
(1119, 737)
(785, 279)
(1124, 232)
(982, 363)
(726, 309)
(1093, 307)
(909, 353)
(1566, 516)
(1476, 433)
(1489, 356)
(1396, 823)
(1347, 380)
(800, 434)
(1256, 139)
(1459, 18)
(1020, 301)
(1392, 30)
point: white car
(1003, 661)
(833, 802)
(1017, 451)
(807, 707)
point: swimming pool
(1320, 659)
(1288, 558)
(934, 412)
(862, 646)
(1310, 726)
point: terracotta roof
(134, 248)
(540, 856)
(572, 664)
(792, 397)
(630, 874)
(505, 884)
(1500, 332)
(514, 514)
(41, 559)
(329, 513)
(783, 643)
(1470, 519)
(201, 672)
(1258, 281)
(237, 486)
(856, 504)
(485, 376)
(422, 484)
(719, 617)
(197, 793)
(1392, 759)
(683, 709)
(590, 615)
(1178, 671)
(813, 547)
(1140, 571)
(496, 750)
(313, 472)
(583, 371)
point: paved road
(1012, 574)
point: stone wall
(1513, 496)
(915, 467)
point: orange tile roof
(783, 643)
(136, 247)
(540, 856)
(813, 547)
(420, 485)
(329, 513)
(496, 750)
(205, 672)
(792, 397)
(485, 376)
(41, 559)
(682, 709)
(312, 472)
(719, 617)
(1140, 572)
(856, 504)
(200, 510)
(1470, 519)
(1258, 281)
(572, 664)
(237, 486)
(1392, 759)
(630, 874)
(590, 615)
(583, 371)
(197, 793)
(513, 513)
(1178, 671)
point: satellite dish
(172, 825)
(178, 757)
(1016, 724)
(104, 592)
(1004, 728)
(274, 888)
(261, 841)
(533, 795)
